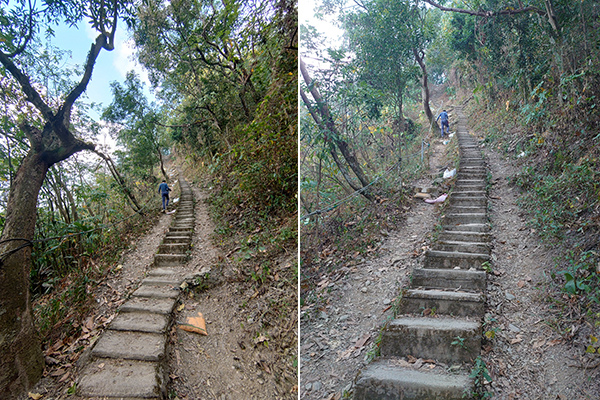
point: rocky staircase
(128, 361)
(442, 310)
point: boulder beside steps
(441, 311)
(128, 361)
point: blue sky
(110, 66)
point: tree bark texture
(21, 363)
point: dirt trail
(528, 359)
(230, 363)
(337, 335)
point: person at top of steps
(164, 190)
(445, 123)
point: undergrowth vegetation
(352, 229)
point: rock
(363, 289)
(513, 328)
(317, 385)
(386, 302)
(308, 386)
(510, 296)
(343, 318)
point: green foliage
(580, 276)
(556, 198)
(459, 341)
(480, 374)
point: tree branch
(27, 38)
(507, 11)
(32, 95)
(65, 111)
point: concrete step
(179, 233)
(450, 279)
(163, 272)
(468, 193)
(157, 291)
(123, 379)
(173, 248)
(468, 227)
(129, 345)
(464, 218)
(162, 280)
(454, 209)
(471, 175)
(170, 260)
(465, 236)
(432, 338)
(150, 305)
(179, 238)
(184, 229)
(441, 302)
(140, 322)
(180, 228)
(385, 380)
(462, 247)
(468, 201)
(454, 259)
(480, 186)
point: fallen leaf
(58, 372)
(361, 342)
(261, 338)
(345, 354)
(538, 344)
(195, 325)
(516, 340)
(34, 396)
(65, 377)
(520, 284)
(181, 307)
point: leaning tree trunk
(22, 362)
(328, 125)
(420, 57)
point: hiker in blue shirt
(164, 190)
(444, 117)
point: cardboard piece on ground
(195, 325)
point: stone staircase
(444, 302)
(128, 361)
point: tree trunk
(162, 163)
(328, 125)
(115, 173)
(420, 57)
(336, 159)
(22, 363)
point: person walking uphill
(164, 190)
(444, 117)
